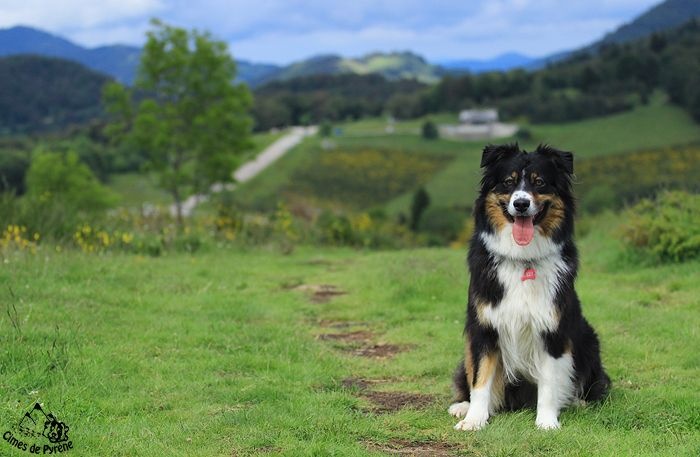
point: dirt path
(249, 170)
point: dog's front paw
(547, 421)
(459, 409)
(473, 421)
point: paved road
(249, 170)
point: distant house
(478, 116)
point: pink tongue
(523, 230)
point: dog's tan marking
(480, 306)
(491, 365)
(494, 210)
(468, 363)
(555, 215)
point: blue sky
(281, 31)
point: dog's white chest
(525, 313)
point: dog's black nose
(521, 204)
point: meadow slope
(242, 352)
(647, 127)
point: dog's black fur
(555, 221)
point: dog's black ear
(563, 159)
(493, 153)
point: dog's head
(528, 192)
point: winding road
(249, 170)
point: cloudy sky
(281, 31)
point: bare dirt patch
(390, 402)
(414, 448)
(378, 351)
(349, 337)
(320, 293)
(338, 324)
(362, 383)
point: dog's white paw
(458, 409)
(547, 421)
(474, 421)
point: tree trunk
(180, 221)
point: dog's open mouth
(523, 230)
(524, 226)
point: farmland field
(649, 127)
(322, 352)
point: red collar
(529, 273)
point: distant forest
(613, 78)
(40, 94)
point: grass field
(241, 352)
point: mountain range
(121, 61)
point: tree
(421, 201)
(184, 111)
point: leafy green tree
(184, 111)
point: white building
(478, 116)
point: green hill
(664, 16)
(393, 66)
(448, 169)
(42, 93)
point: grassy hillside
(648, 127)
(244, 353)
(135, 189)
(652, 126)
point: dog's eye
(539, 182)
(509, 181)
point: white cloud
(286, 30)
(74, 14)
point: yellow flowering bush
(18, 238)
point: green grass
(135, 189)
(217, 354)
(647, 127)
(377, 125)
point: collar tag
(529, 273)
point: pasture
(323, 352)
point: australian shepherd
(527, 343)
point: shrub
(429, 130)
(62, 192)
(13, 168)
(64, 178)
(442, 224)
(326, 129)
(667, 228)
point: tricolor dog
(527, 343)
